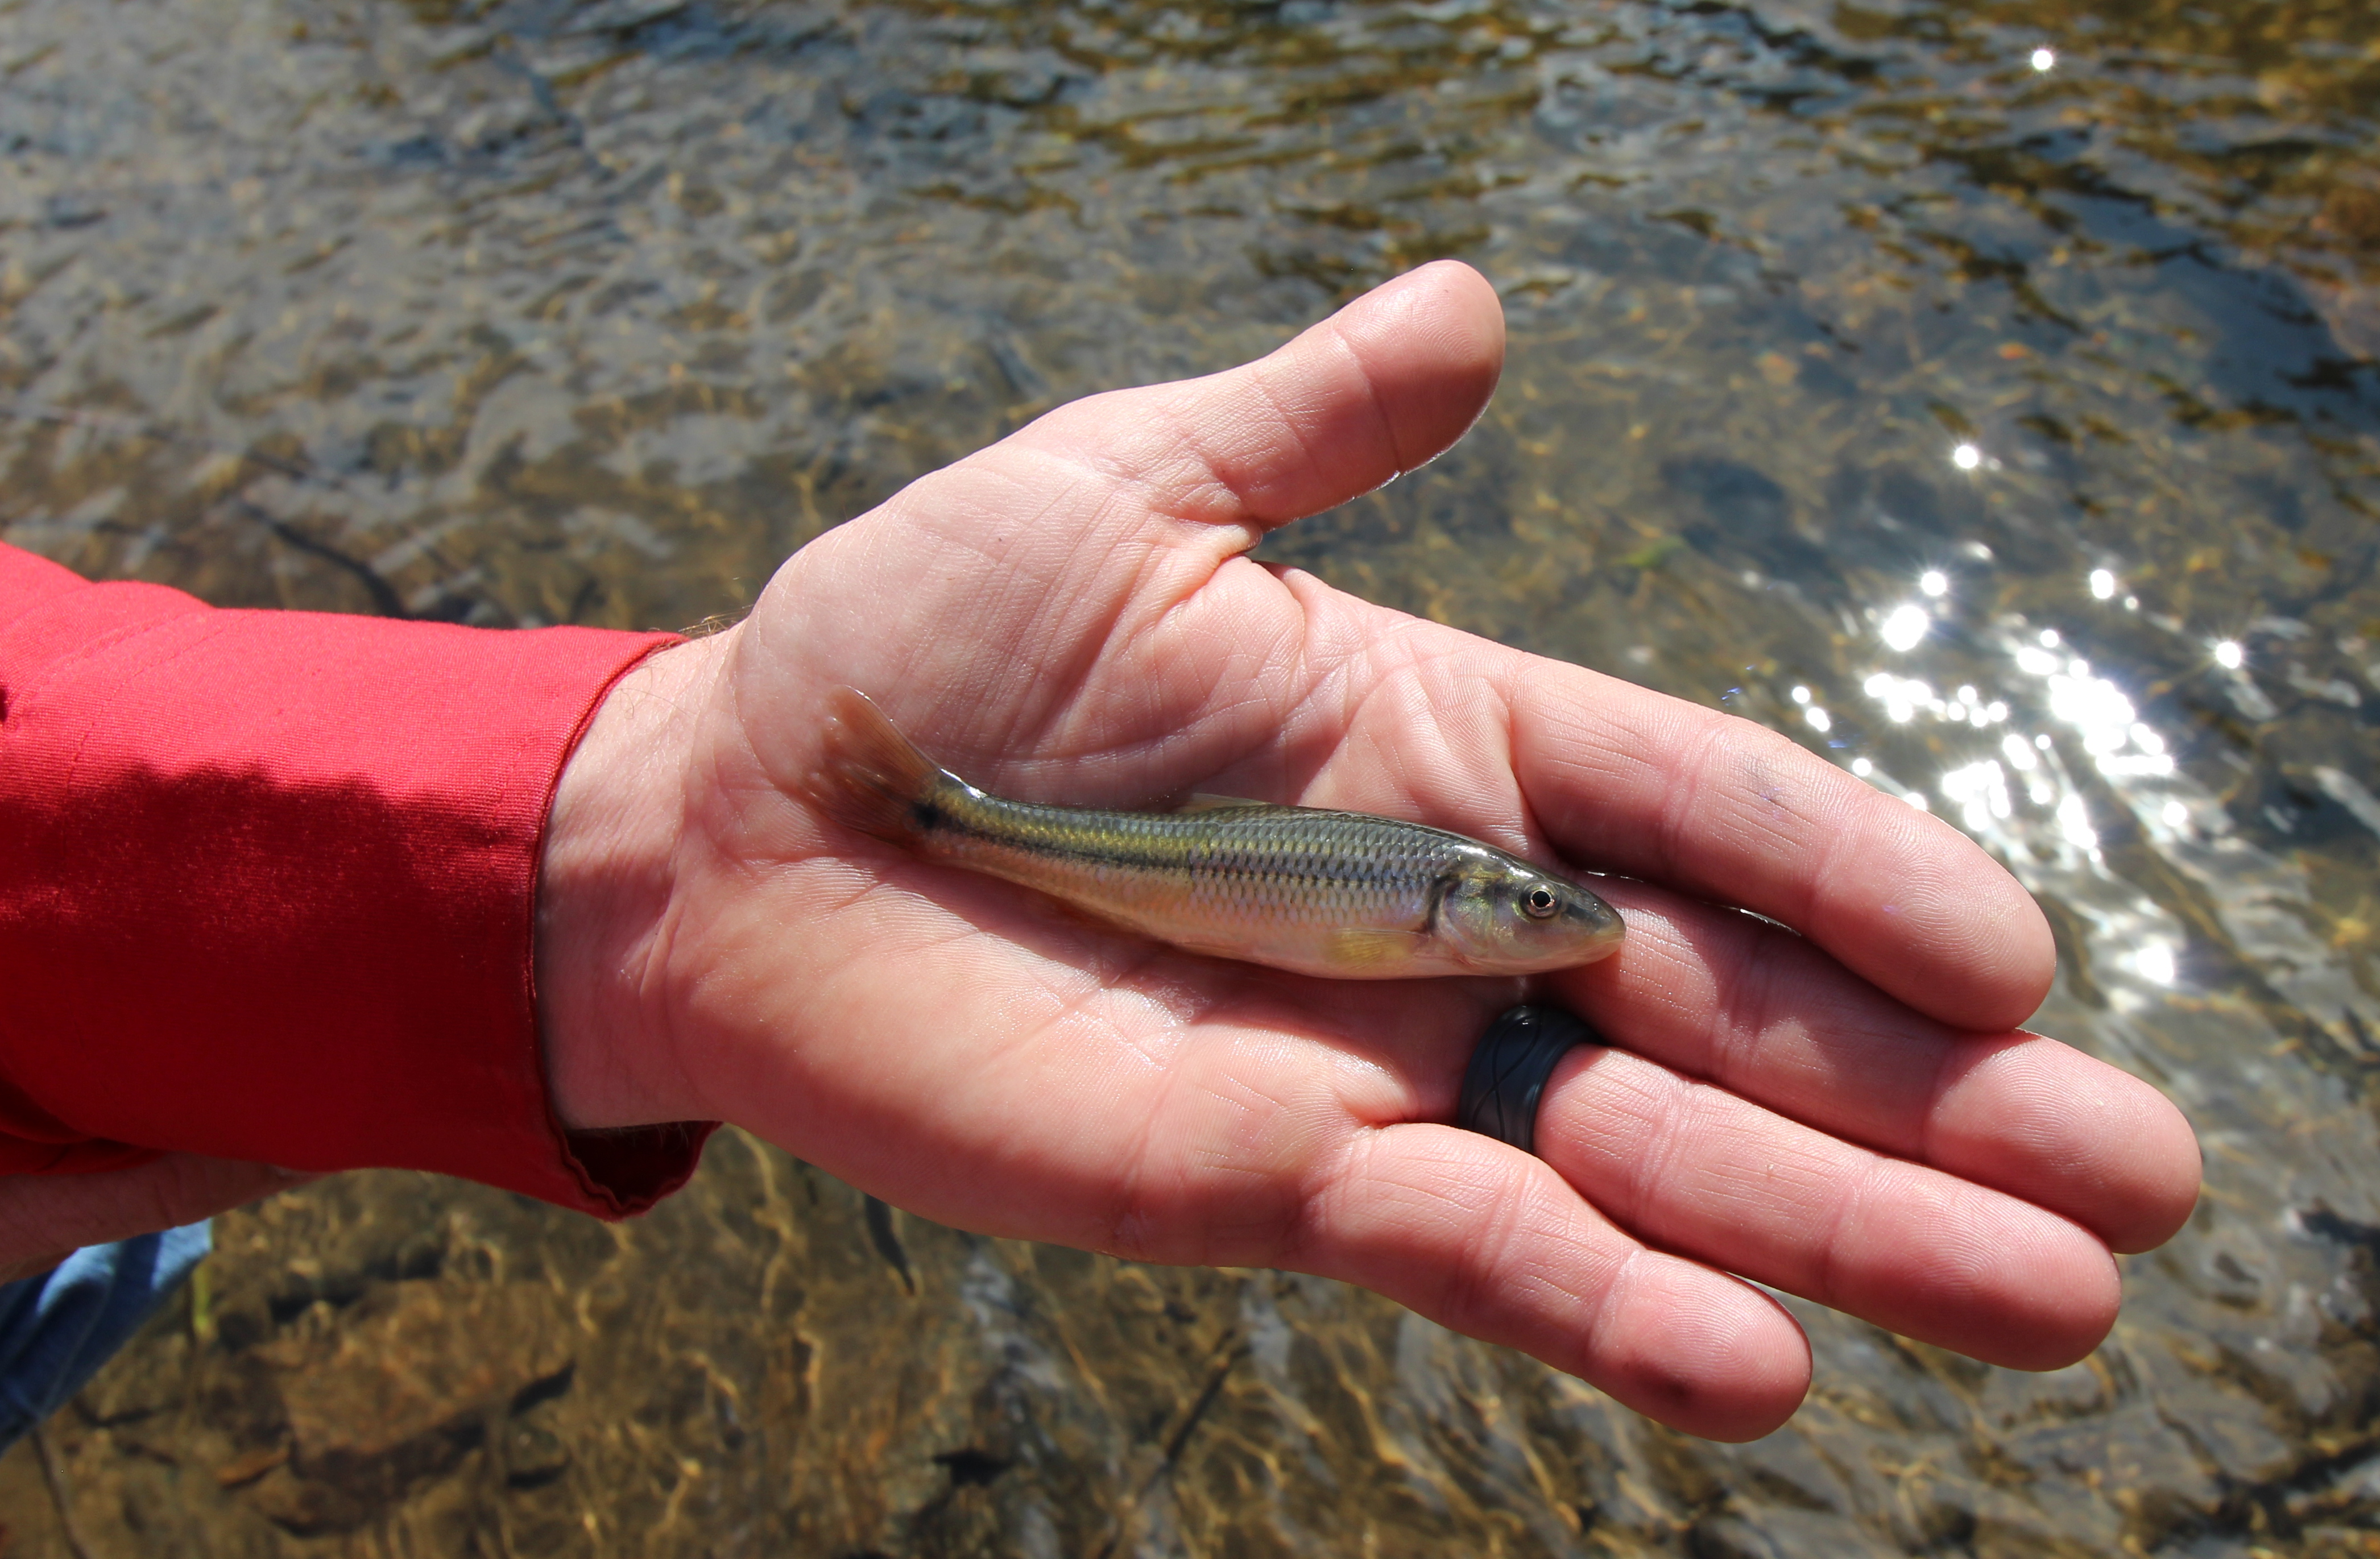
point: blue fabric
(57, 1330)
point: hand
(1069, 616)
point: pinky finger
(1489, 1241)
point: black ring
(1507, 1072)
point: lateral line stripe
(1164, 842)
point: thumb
(1378, 389)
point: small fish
(1343, 894)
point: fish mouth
(1596, 943)
(1602, 944)
(1603, 935)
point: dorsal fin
(1205, 803)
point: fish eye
(1538, 904)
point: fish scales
(1248, 863)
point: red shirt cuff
(267, 887)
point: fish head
(1503, 916)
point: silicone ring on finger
(1507, 1072)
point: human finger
(1488, 1242)
(1694, 1168)
(1378, 388)
(1656, 788)
(1175, 1108)
(1768, 1016)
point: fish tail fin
(870, 777)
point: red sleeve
(266, 883)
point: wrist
(606, 875)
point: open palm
(1840, 1110)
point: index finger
(1653, 787)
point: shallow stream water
(1982, 393)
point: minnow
(1343, 894)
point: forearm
(267, 883)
